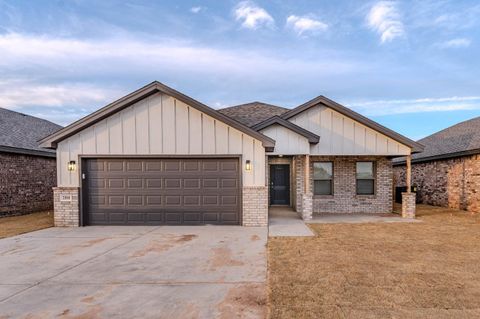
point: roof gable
(321, 100)
(142, 93)
(312, 138)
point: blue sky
(410, 65)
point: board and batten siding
(161, 125)
(288, 141)
(341, 135)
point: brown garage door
(161, 191)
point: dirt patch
(185, 238)
(222, 257)
(16, 225)
(244, 301)
(67, 250)
(88, 299)
(380, 270)
(255, 238)
(160, 245)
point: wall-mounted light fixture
(248, 165)
(71, 166)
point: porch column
(307, 200)
(408, 198)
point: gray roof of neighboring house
(252, 113)
(458, 140)
(20, 133)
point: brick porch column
(307, 196)
(408, 198)
(408, 205)
(307, 206)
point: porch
(322, 185)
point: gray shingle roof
(455, 140)
(21, 132)
(252, 113)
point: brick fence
(26, 183)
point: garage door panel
(114, 166)
(153, 183)
(174, 183)
(162, 191)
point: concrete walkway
(283, 221)
(359, 218)
(135, 272)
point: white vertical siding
(341, 135)
(161, 125)
(288, 141)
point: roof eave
(440, 157)
(24, 151)
(312, 137)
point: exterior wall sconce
(248, 165)
(71, 166)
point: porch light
(248, 165)
(71, 166)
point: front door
(279, 184)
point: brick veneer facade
(344, 198)
(255, 206)
(26, 183)
(67, 207)
(453, 183)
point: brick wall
(255, 206)
(453, 183)
(26, 183)
(66, 213)
(344, 198)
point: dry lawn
(15, 225)
(398, 270)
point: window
(323, 178)
(365, 178)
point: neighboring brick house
(447, 172)
(157, 156)
(27, 171)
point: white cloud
(253, 16)
(456, 43)
(388, 107)
(196, 9)
(91, 65)
(18, 94)
(384, 18)
(305, 24)
(116, 55)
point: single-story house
(447, 172)
(157, 156)
(27, 171)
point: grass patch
(16, 225)
(379, 270)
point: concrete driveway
(134, 272)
